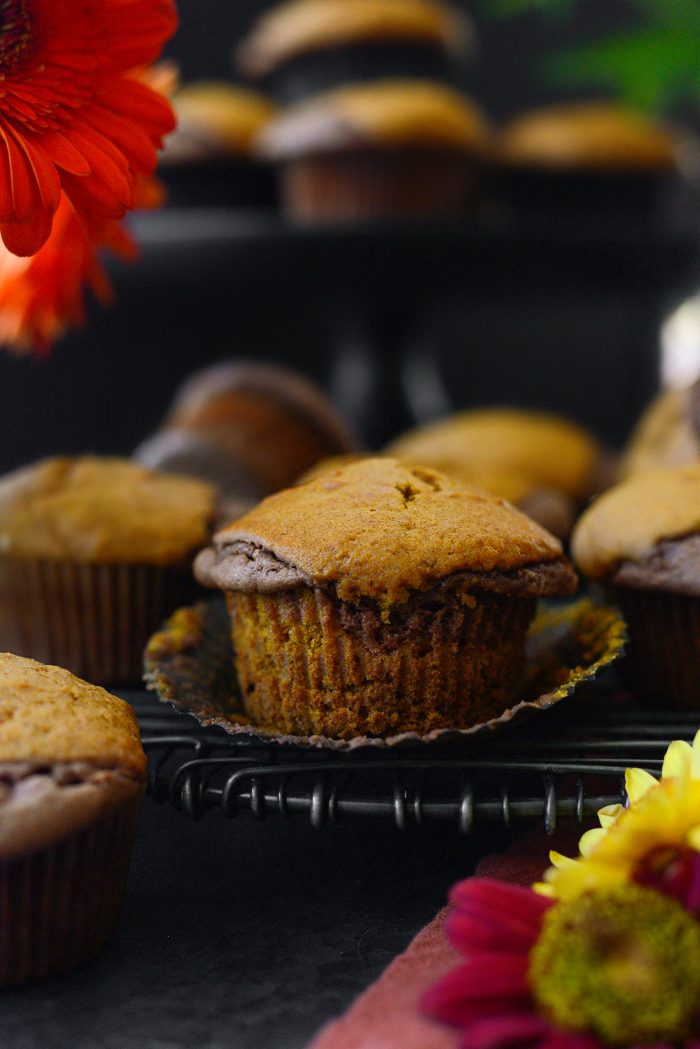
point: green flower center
(622, 964)
(15, 33)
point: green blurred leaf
(649, 68)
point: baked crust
(105, 510)
(628, 523)
(377, 529)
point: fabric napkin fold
(386, 1015)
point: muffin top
(105, 510)
(392, 113)
(215, 119)
(518, 451)
(628, 523)
(667, 435)
(376, 529)
(48, 717)
(301, 26)
(591, 135)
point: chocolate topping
(674, 566)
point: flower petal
(677, 759)
(637, 783)
(500, 1032)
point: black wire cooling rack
(557, 770)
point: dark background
(554, 319)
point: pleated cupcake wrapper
(377, 184)
(59, 906)
(302, 670)
(189, 664)
(92, 619)
(663, 657)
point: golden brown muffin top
(104, 510)
(627, 522)
(666, 435)
(48, 716)
(592, 135)
(215, 118)
(300, 26)
(519, 450)
(375, 529)
(395, 114)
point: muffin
(304, 47)
(380, 598)
(207, 159)
(544, 464)
(642, 541)
(94, 554)
(388, 149)
(251, 428)
(668, 434)
(72, 777)
(586, 157)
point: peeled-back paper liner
(189, 664)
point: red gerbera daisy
(615, 968)
(73, 116)
(42, 295)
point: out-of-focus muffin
(250, 428)
(379, 598)
(587, 157)
(668, 434)
(388, 149)
(304, 47)
(207, 160)
(544, 464)
(94, 554)
(72, 776)
(642, 541)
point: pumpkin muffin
(379, 598)
(667, 435)
(544, 464)
(72, 777)
(388, 149)
(94, 554)
(586, 156)
(642, 541)
(207, 158)
(304, 47)
(251, 427)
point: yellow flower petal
(590, 839)
(637, 783)
(695, 759)
(559, 861)
(543, 889)
(609, 815)
(677, 759)
(693, 838)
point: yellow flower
(663, 819)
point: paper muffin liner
(308, 663)
(374, 184)
(59, 906)
(189, 664)
(663, 656)
(91, 619)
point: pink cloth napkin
(386, 1015)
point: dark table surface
(240, 934)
